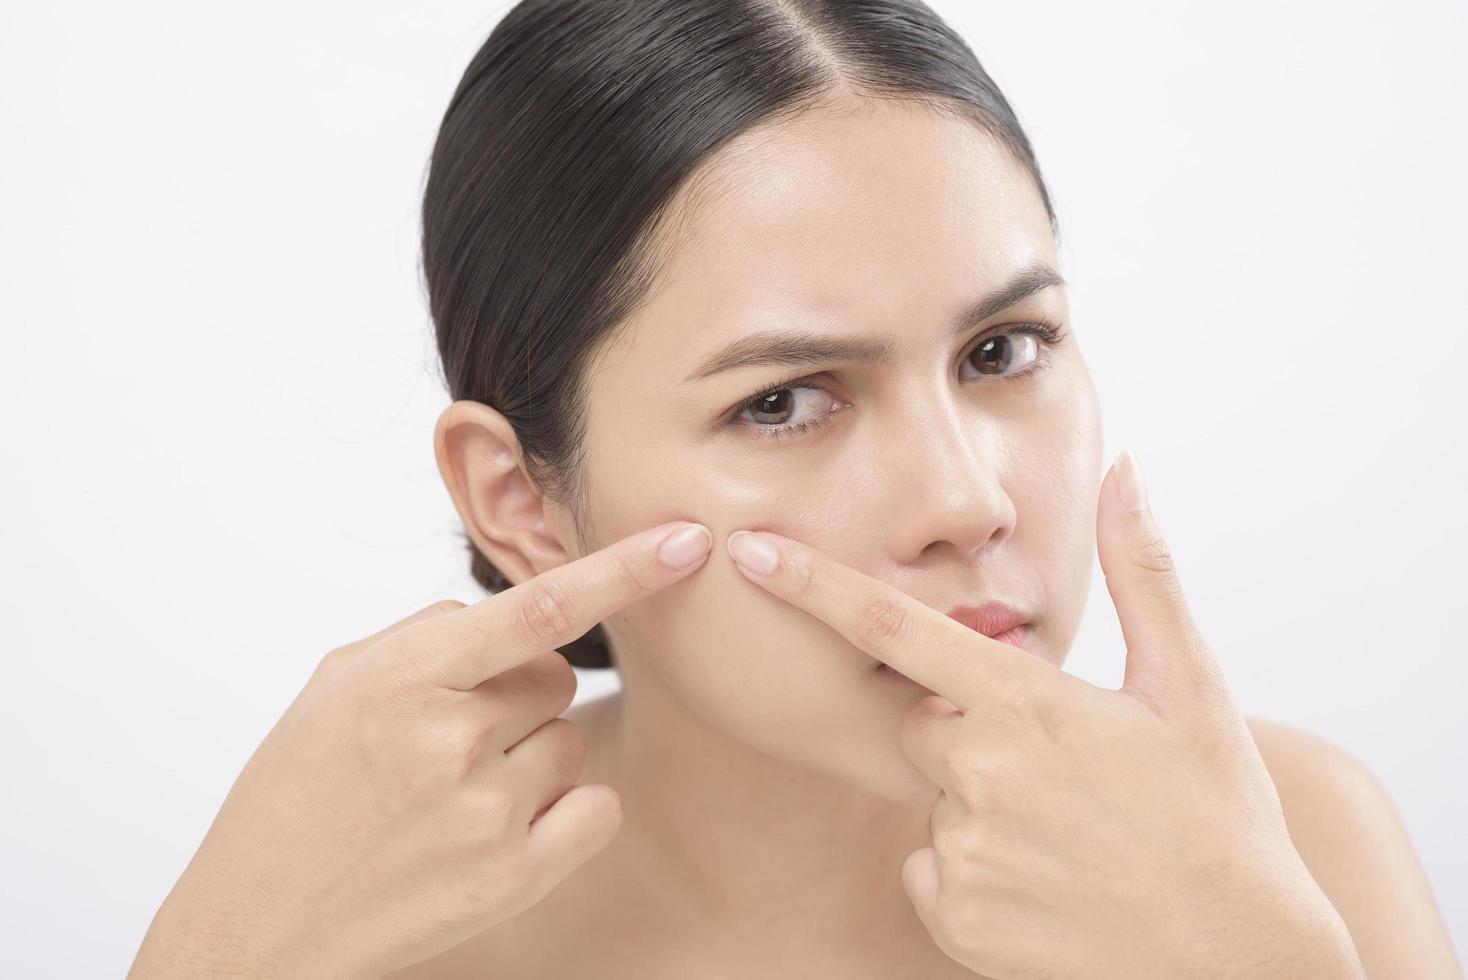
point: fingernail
(1133, 488)
(753, 552)
(685, 546)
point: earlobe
(502, 509)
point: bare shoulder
(1295, 755)
(1355, 844)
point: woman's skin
(768, 805)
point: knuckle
(964, 764)
(633, 581)
(1015, 698)
(1042, 706)
(1049, 716)
(1155, 557)
(883, 621)
(1154, 554)
(544, 616)
(802, 575)
(334, 660)
(471, 751)
(441, 606)
(451, 740)
(972, 784)
(967, 787)
(463, 732)
(1031, 706)
(497, 811)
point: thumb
(1166, 655)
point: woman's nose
(947, 482)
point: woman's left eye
(999, 349)
(1034, 339)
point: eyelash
(1049, 333)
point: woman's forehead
(836, 221)
(826, 189)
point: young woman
(787, 267)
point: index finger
(473, 644)
(940, 653)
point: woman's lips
(1014, 637)
(991, 619)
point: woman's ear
(502, 510)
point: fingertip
(685, 546)
(1130, 484)
(753, 552)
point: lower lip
(1014, 637)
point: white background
(219, 384)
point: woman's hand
(1081, 831)
(418, 790)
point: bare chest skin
(633, 943)
(535, 945)
(602, 922)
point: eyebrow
(802, 347)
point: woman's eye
(1022, 345)
(774, 413)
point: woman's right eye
(768, 412)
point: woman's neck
(742, 840)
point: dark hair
(569, 132)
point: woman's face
(963, 467)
